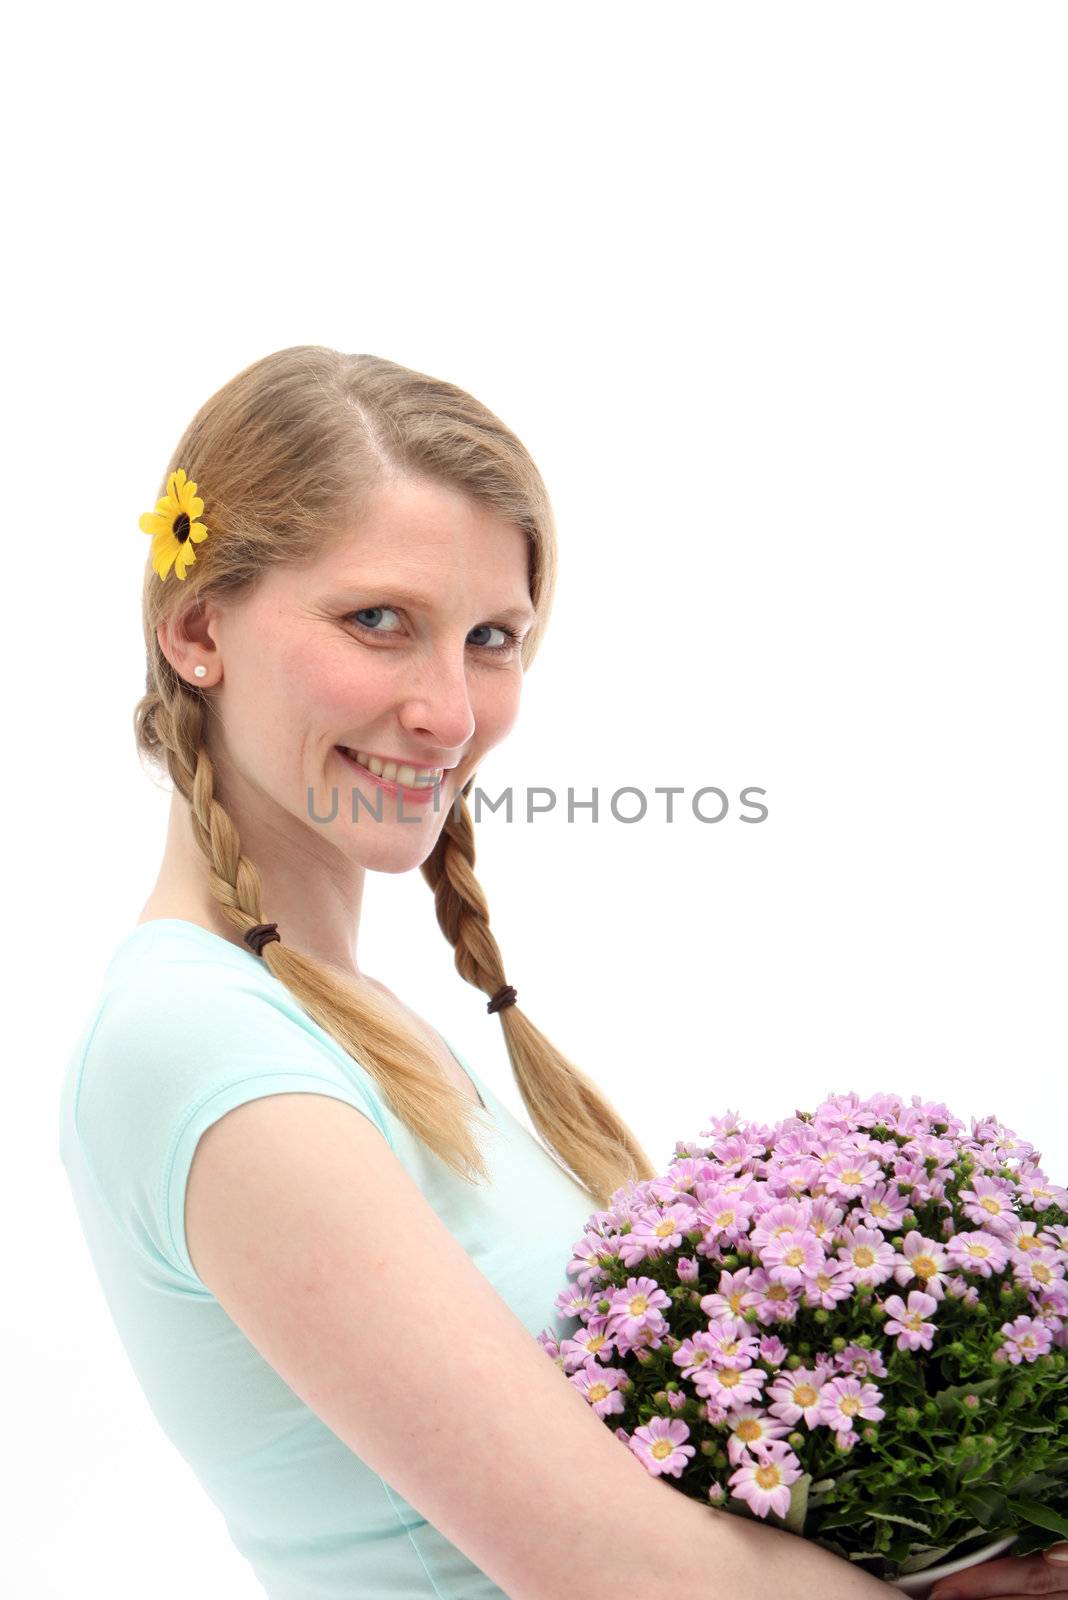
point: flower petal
(198, 532)
(152, 522)
(163, 558)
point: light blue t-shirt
(188, 1027)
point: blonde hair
(283, 455)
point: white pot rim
(920, 1583)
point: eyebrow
(408, 597)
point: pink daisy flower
(749, 1430)
(979, 1251)
(989, 1202)
(637, 1307)
(733, 1297)
(850, 1173)
(732, 1346)
(860, 1362)
(884, 1208)
(866, 1255)
(795, 1395)
(1037, 1269)
(846, 1399)
(659, 1446)
(831, 1283)
(923, 1259)
(1037, 1192)
(765, 1483)
(729, 1386)
(600, 1386)
(907, 1321)
(772, 1350)
(791, 1256)
(1025, 1339)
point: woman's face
(392, 645)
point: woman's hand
(1009, 1577)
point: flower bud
(795, 1440)
(869, 1435)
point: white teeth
(409, 776)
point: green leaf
(989, 1507)
(1042, 1516)
(908, 1522)
(926, 1558)
(795, 1517)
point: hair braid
(563, 1102)
(462, 908)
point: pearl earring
(200, 671)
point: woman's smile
(411, 788)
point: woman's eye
(372, 611)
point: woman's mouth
(419, 784)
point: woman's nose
(440, 709)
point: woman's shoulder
(182, 1008)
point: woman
(332, 1316)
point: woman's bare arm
(321, 1248)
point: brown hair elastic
(503, 997)
(261, 934)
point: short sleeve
(166, 1060)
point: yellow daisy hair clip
(174, 526)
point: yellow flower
(174, 526)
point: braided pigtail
(568, 1110)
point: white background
(775, 295)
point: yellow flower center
(749, 1429)
(804, 1395)
(729, 1376)
(795, 1256)
(597, 1391)
(864, 1256)
(879, 1208)
(991, 1203)
(849, 1404)
(851, 1175)
(767, 1476)
(639, 1304)
(923, 1267)
(662, 1448)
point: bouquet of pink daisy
(853, 1324)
